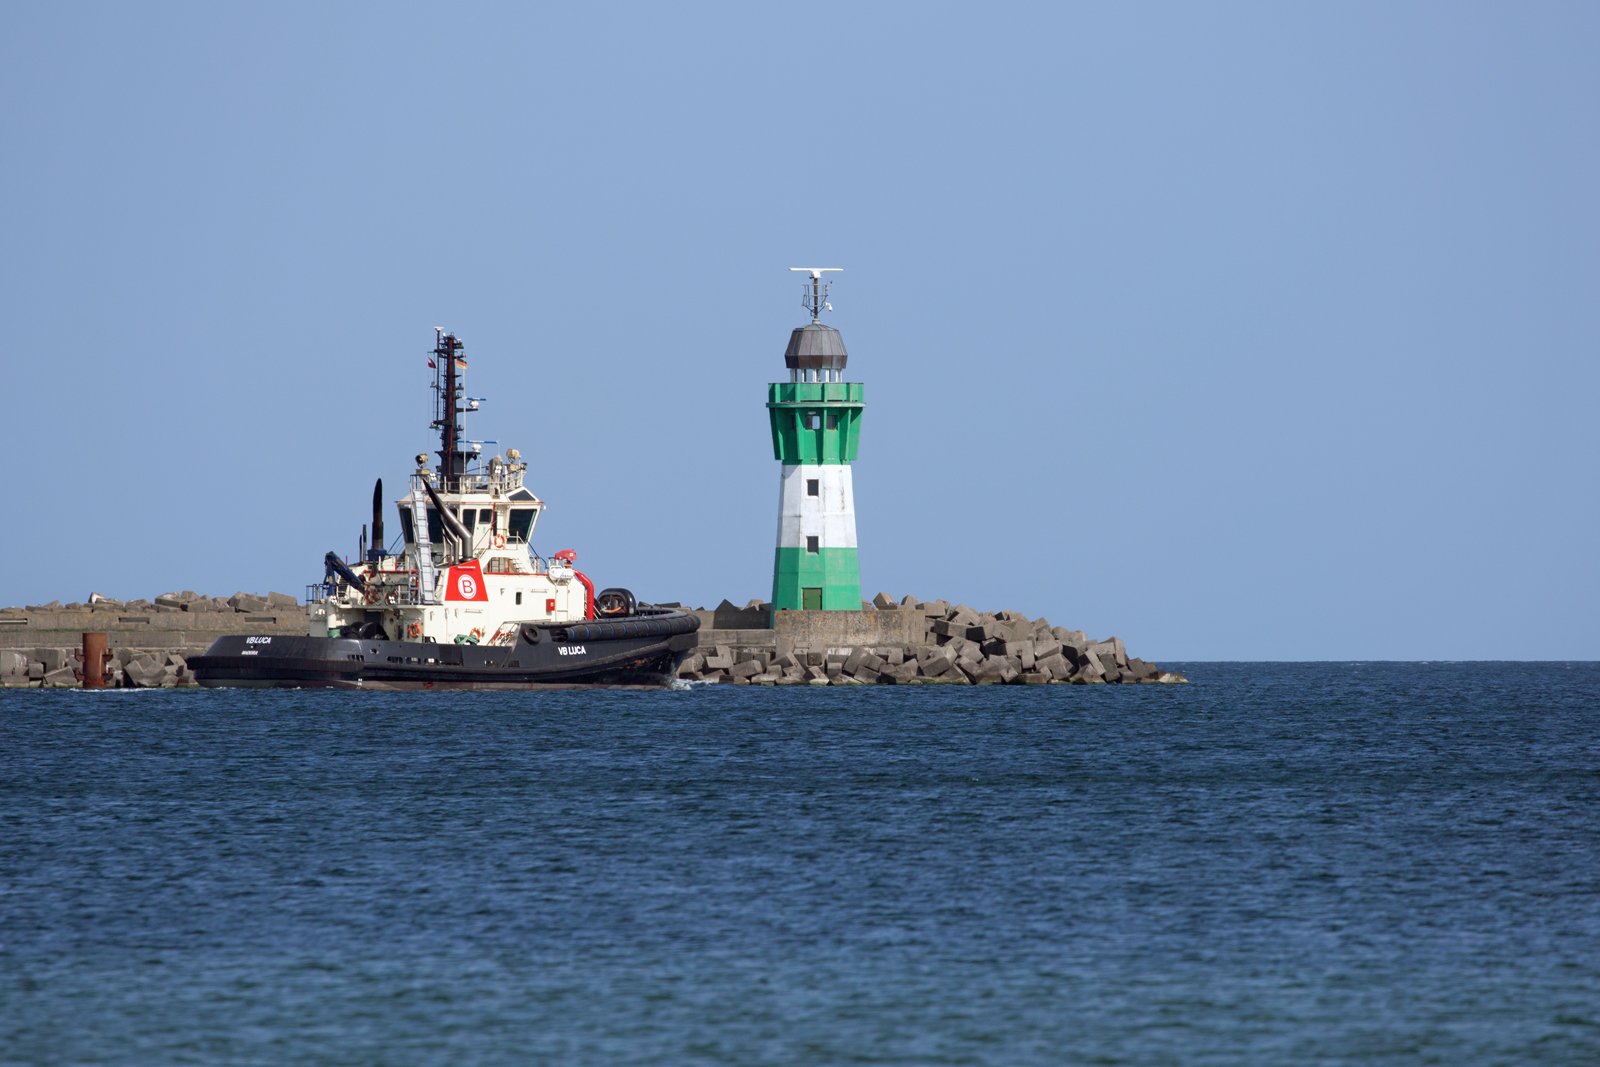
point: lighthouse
(816, 429)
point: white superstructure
(466, 572)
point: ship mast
(448, 415)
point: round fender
(613, 603)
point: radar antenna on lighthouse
(814, 297)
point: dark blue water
(1278, 864)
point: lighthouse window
(520, 523)
(812, 488)
(833, 420)
(813, 421)
(811, 544)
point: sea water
(1280, 863)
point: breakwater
(905, 642)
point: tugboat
(465, 603)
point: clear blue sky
(1241, 332)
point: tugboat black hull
(642, 651)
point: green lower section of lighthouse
(826, 580)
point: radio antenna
(814, 297)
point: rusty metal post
(94, 656)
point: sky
(1241, 332)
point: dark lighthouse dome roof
(815, 347)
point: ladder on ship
(427, 573)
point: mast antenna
(447, 385)
(814, 296)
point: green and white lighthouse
(816, 428)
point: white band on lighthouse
(829, 514)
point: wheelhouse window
(469, 518)
(435, 527)
(486, 516)
(408, 528)
(520, 523)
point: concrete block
(949, 628)
(1140, 669)
(1117, 648)
(894, 656)
(910, 603)
(724, 651)
(902, 673)
(963, 615)
(1029, 678)
(54, 605)
(815, 673)
(935, 609)
(144, 672)
(282, 600)
(719, 663)
(746, 669)
(784, 660)
(53, 658)
(991, 667)
(867, 674)
(12, 662)
(248, 603)
(855, 659)
(795, 674)
(35, 670)
(1055, 665)
(64, 676)
(1045, 646)
(983, 632)
(884, 602)
(1015, 630)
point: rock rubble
(961, 646)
